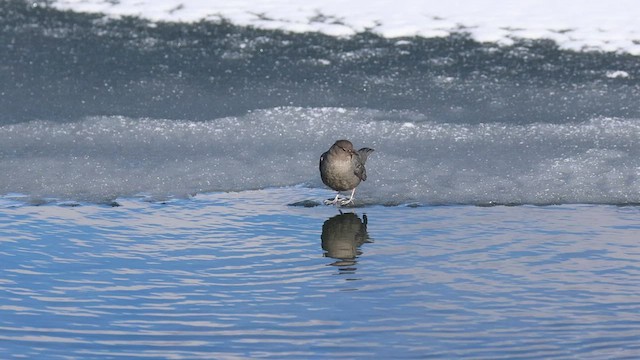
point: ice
(416, 160)
(614, 74)
(574, 24)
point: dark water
(62, 65)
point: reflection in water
(342, 236)
(237, 276)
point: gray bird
(342, 169)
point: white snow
(575, 24)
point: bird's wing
(359, 161)
(359, 169)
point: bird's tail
(364, 154)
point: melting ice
(416, 160)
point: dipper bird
(342, 169)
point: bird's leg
(350, 200)
(334, 201)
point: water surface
(244, 275)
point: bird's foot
(344, 202)
(340, 201)
(335, 201)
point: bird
(342, 169)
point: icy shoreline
(573, 24)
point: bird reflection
(342, 236)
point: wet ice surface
(417, 161)
(241, 275)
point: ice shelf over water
(416, 160)
(96, 109)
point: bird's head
(343, 147)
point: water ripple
(256, 278)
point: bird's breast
(338, 173)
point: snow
(573, 24)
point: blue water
(160, 195)
(242, 275)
